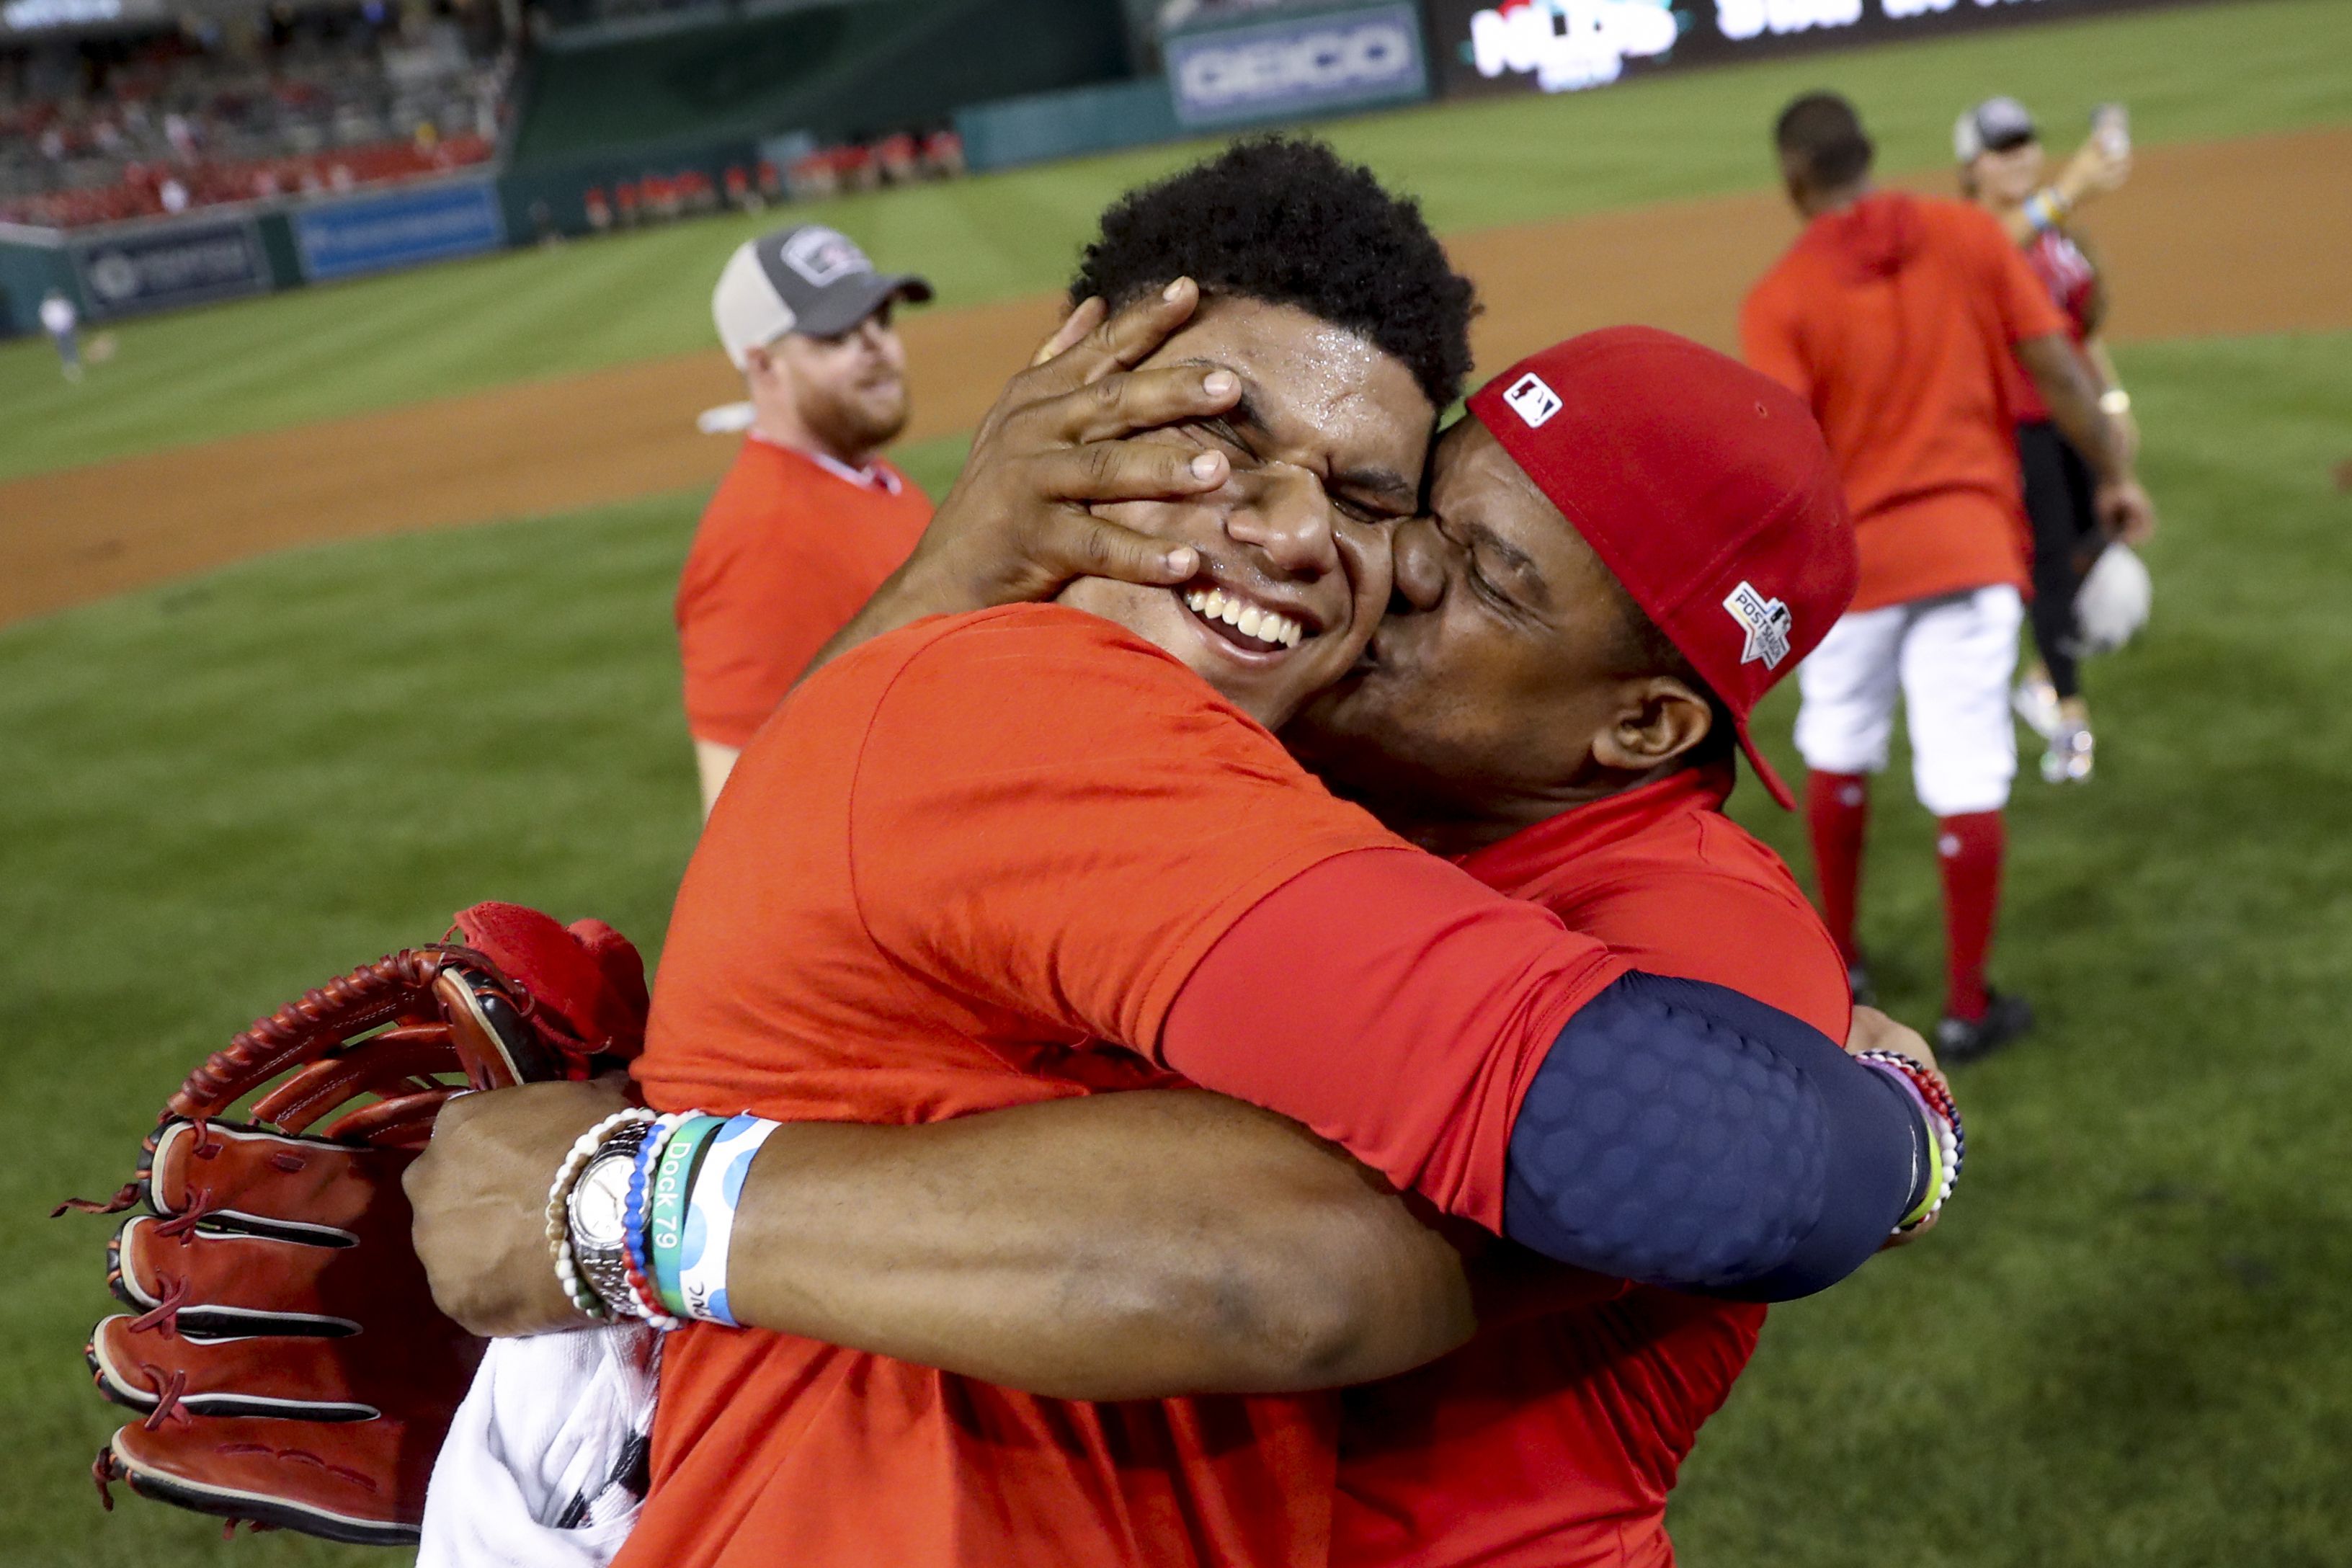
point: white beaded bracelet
(558, 1207)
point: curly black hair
(1283, 220)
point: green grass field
(2125, 1350)
(2188, 75)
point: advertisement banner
(1296, 67)
(1563, 45)
(375, 233)
(175, 264)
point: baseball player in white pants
(1902, 322)
(1950, 660)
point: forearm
(1115, 1246)
(1680, 1134)
(2103, 364)
(906, 595)
(2066, 388)
(1481, 1042)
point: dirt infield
(2228, 237)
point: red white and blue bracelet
(685, 1179)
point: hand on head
(1016, 527)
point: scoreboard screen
(1567, 45)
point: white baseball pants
(1951, 660)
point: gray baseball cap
(808, 279)
(1993, 126)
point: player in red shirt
(1896, 319)
(810, 518)
(1554, 1439)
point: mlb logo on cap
(1531, 400)
(1704, 488)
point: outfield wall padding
(839, 73)
(1072, 124)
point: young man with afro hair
(1286, 222)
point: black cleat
(2007, 1018)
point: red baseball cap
(1705, 486)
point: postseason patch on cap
(1532, 400)
(1765, 622)
(824, 256)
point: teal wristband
(665, 1208)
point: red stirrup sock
(1837, 811)
(1969, 851)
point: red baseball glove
(285, 1348)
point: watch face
(600, 1202)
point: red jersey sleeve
(1396, 1005)
(1054, 817)
(1767, 338)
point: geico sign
(1743, 19)
(1326, 60)
(1569, 44)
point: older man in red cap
(1631, 538)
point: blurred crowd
(899, 159)
(100, 129)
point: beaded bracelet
(558, 1207)
(1947, 1142)
(643, 1303)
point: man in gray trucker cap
(812, 516)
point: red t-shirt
(789, 549)
(2067, 270)
(977, 863)
(1896, 319)
(1554, 1443)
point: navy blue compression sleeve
(1679, 1133)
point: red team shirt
(1126, 868)
(1553, 1444)
(2073, 279)
(1896, 319)
(789, 549)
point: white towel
(545, 1462)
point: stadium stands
(94, 130)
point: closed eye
(1225, 432)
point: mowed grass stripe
(2128, 1349)
(2193, 74)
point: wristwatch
(597, 1219)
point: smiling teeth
(1250, 620)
